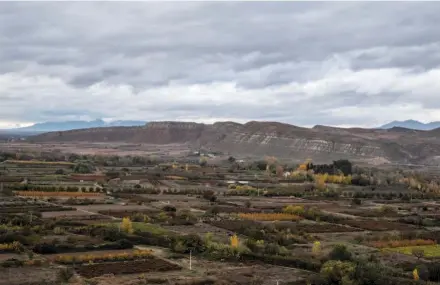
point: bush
(191, 242)
(301, 263)
(65, 274)
(169, 208)
(12, 262)
(356, 201)
(209, 195)
(340, 252)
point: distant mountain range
(72, 125)
(258, 139)
(412, 124)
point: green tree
(340, 252)
(338, 272)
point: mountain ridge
(271, 138)
(72, 125)
(412, 124)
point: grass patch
(431, 251)
(139, 226)
(145, 227)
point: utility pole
(190, 260)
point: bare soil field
(29, 276)
(52, 257)
(97, 208)
(6, 256)
(127, 267)
(202, 229)
(61, 214)
(79, 239)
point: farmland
(112, 219)
(429, 251)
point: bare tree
(419, 253)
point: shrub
(169, 208)
(401, 243)
(12, 262)
(65, 274)
(209, 195)
(356, 201)
(297, 210)
(340, 252)
(191, 242)
(45, 248)
(338, 272)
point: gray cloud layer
(306, 63)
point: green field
(429, 250)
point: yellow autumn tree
(320, 181)
(316, 249)
(234, 241)
(416, 274)
(126, 225)
(303, 166)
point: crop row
(55, 194)
(24, 209)
(269, 216)
(125, 256)
(401, 243)
(373, 225)
(10, 247)
(128, 267)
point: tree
(279, 171)
(343, 165)
(419, 253)
(316, 249)
(203, 161)
(83, 168)
(340, 252)
(234, 241)
(208, 195)
(338, 272)
(423, 272)
(416, 274)
(127, 225)
(214, 211)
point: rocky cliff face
(270, 138)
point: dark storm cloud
(299, 62)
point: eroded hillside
(271, 138)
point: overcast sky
(342, 64)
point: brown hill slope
(271, 138)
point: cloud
(302, 63)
